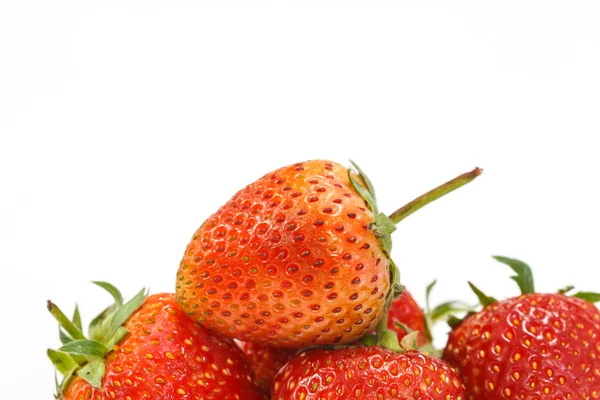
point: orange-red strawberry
(534, 346)
(266, 361)
(299, 257)
(366, 373)
(158, 353)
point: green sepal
(386, 244)
(93, 372)
(382, 226)
(64, 338)
(124, 312)
(370, 340)
(71, 329)
(365, 178)
(84, 348)
(116, 338)
(448, 308)
(410, 342)
(364, 192)
(77, 318)
(566, 289)
(97, 327)
(64, 363)
(429, 348)
(389, 340)
(57, 388)
(453, 321)
(588, 296)
(114, 292)
(428, 291)
(524, 277)
(403, 327)
(484, 299)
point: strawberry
(148, 349)
(533, 346)
(265, 361)
(406, 315)
(366, 373)
(298, 258)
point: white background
(123, 125)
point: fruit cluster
(288, 291)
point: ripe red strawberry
(158, 353)
(300, 257)
(366, 373)
(534, 346)
(405, 311)
(266, 361)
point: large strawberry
(300, 257)
(534, 346)
(149, 349)
(366, 373)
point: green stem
(62, 319)
(434, 194)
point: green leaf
(114, 292)
(448, 308)
(123, 313)
(524, 277)
(93, 372)
(84, 348)
(364, 192)
(588, 296)
(365, 178)
(64, 363)
(77, 318)
(428, 295)
(484, 299)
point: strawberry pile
(288, 291)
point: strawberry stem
(434, 194)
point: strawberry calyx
(85, 356)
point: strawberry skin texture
(168, 356)
(289, 261)
(535, 346)
(266, 361)
(366, 373)
(404, 309)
